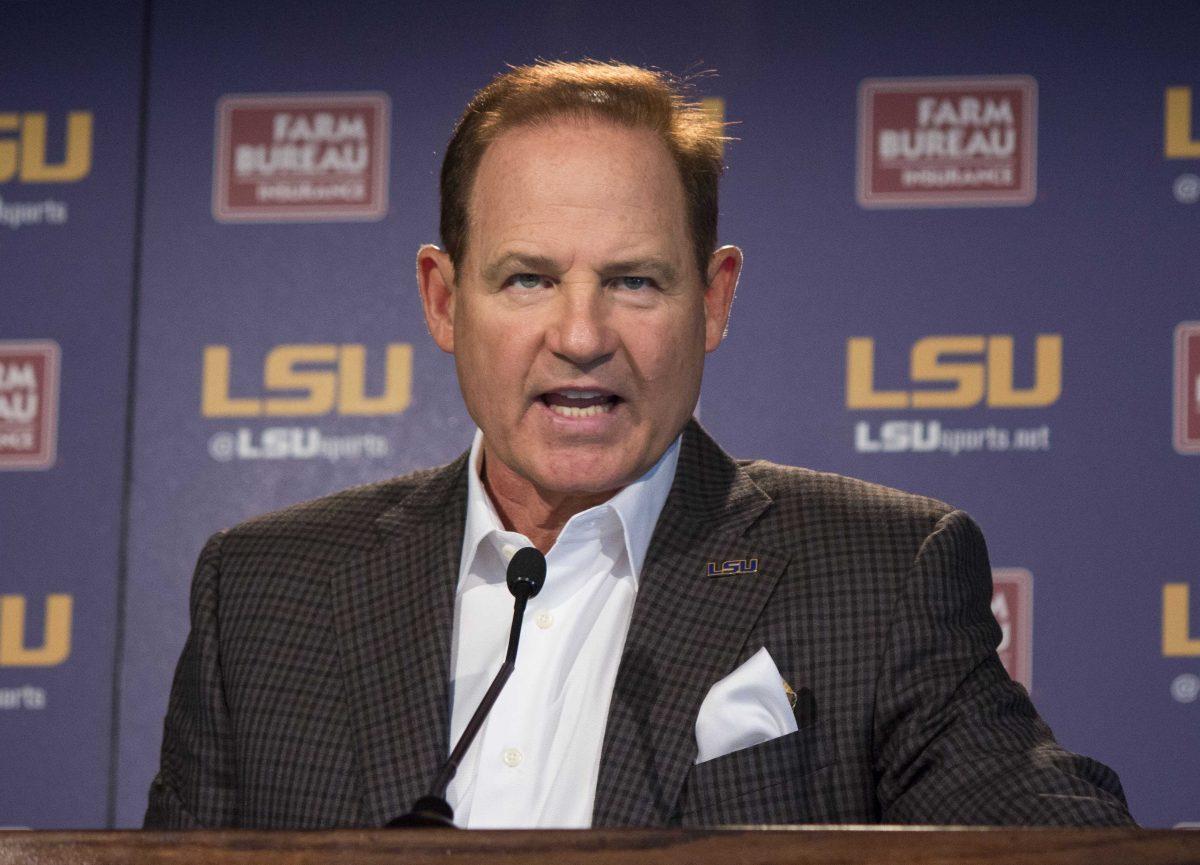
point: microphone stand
(526, 574)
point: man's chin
(583, 485)
(557, 469)
(563, 476)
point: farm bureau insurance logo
(1187, 387)
(301, 157)
(938, 142)
(953, 373)
(304, 380)
(1012, 605)
(28, 404)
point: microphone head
(526, 572)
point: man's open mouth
(580, 403)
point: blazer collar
(393, 610)
(690, 623)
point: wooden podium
(798, 845)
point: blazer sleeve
(956, 741)
(196, 785)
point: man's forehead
(571, 142)
(617, 183)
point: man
(717, 642)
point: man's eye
(525, 280)
(634, 283)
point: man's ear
(435, 277)
(724, 268)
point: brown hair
(628, 95)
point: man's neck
(537, 514)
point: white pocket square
(748, 707)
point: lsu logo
(325, 377)
(24, 148)
(982, 373)
(1177, 639)
(1178, 142)
(56, 632)
(732, 568)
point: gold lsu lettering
(23, 148)
(56, 642)
(290, 368)
(1177, 125)
(973, 381)
(1177, 641)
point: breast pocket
(779, 781)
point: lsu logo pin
(732, 568)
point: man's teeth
(590, 411)
(581, 394)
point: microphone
(526, 575)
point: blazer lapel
(394, 613)
(687, 631)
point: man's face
(578, 321)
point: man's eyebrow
(653, 266)
(522, 262)
(659, 268)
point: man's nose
(580, 332)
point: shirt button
(508, 551)
(544, 620)
(512, 757)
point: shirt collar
(637, 507)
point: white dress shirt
(536, 760)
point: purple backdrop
(280, 353)
(65, 277)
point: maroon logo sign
(1012, 605)
(1187, 387)
(28, 404)
(301, 157)
(937, 142)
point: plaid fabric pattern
(313, 688)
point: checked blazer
(313, 688)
